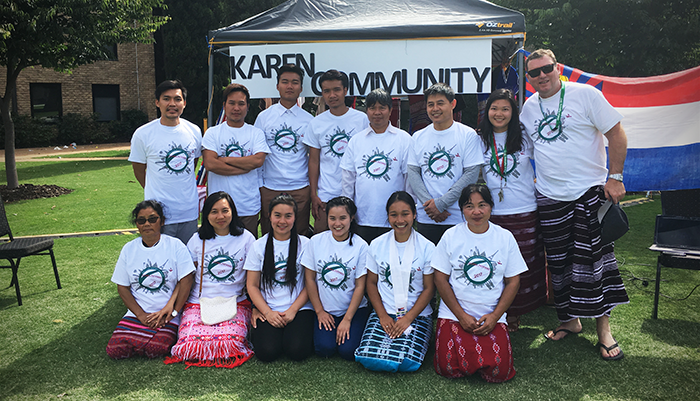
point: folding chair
(16, 249)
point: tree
(625, 38)
(185, 47)
(63, 34)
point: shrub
(122, 130)
(82, 129)
(31, 132)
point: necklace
(547, 120)
(500, 168)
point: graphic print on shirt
(176, 160)
(220, 266)
(335, 273)
(152, 278)
(510, 165)
(378, 165)
(285, 139)
(385, 275)
(280, 279)
(233, 149)
(546, 129)
(477, 269)
(438, 163)
(337, 142)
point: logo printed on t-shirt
(546, 129)
(377, 165)
(511, 163)
(477, 269)
(152, 278)
(175, 160)
(439, 162)
(285, 139)
(221, 266)
(337, 142)
(385, 275)
(335, 273)
(233, 149)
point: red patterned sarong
(131, 338)
(459, 354)
(223, 345)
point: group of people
(396, 217)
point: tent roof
(361, 20)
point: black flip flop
(554, 334)
(608, 349)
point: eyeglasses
(535, 72)
(142, 220)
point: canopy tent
(432, 40)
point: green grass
(105, 191)
(104, 153)
(54, 344)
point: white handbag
(218, 309)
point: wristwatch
(616, 177)
(174, 313)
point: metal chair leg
(15, 267)
(655, 311)
(55, 269)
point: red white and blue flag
(662, 123)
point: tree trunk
(10, 163)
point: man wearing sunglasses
(566, 122)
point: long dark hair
(206, 231)
(514, 137)
(268, 269)
(349, 205)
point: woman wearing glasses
(510, 177)
(153, 277)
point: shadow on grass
(32, 170)
(76, 365)
(681, 333)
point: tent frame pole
(210, 91)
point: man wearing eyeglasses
(566, 122)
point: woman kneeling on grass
(476, 264)
(217, 314)
(282, 318)
(400, 287)
(335, 282)
(153, 275)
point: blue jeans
(325, 341)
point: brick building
(126, 81)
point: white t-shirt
(152, 273)
(169, 153)
(278, 298)
(286, 167)
(337, 265)
(224, 258)
(442, 156)
(378, 263)
(571, 163)
(518, 186)
(477, 264)
(331, 135)
(379, 162)
(228, 141)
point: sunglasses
(535, 72)
(142, 220)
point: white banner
(402, 67)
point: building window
(111, 51)
(46, 100)
(105, 102)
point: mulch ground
(31, 191)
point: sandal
(610, 348)
(513, 324)
(554, 334)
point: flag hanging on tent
(662, 122)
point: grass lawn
(105, 153)
(53, 345)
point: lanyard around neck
(501, 165)
(547, 120)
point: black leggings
(295, 340)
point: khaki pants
(250, 223)
(301, 196)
